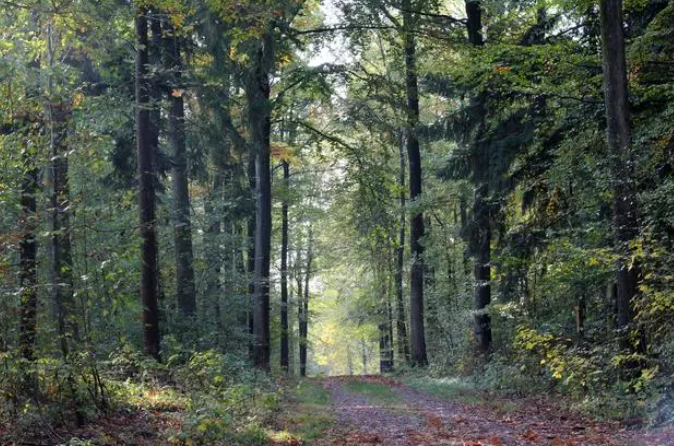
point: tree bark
(304, 304)
(619, 138)
(182, 225)
(481, 230)
(212, 248)
(259, 121)
(417, 333)
(401, 320)
(146, 186)
(250, 260)
(284, 270)
(28, 259)
(301, 328)
(62, 262)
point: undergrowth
(200, 398)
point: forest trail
(376, 410)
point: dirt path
(376, 410)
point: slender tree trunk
(250, 260)
(417, 333)
(304, 320)
(182, 225)
(481, 230)
(300, 311)
(28, 244)
(384, 349)
(259, 121)
(28, 258)
(401, 320)
(212, 248)
(62, 263)
(389, 326)
(619, 137)
(146, 173)
(61, 248)
(349, 360)
(385, 328)
(284, 270)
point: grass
(305, 416)
(453, 389)
(459, 390)
(375, 392)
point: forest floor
(376, 410)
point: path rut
(418, 419)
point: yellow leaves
(502, 69)
(285, 60)
(236, 56)
(177, 20)
(283, 152)
(78, 97)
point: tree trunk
(250, 260)
(28, 259)
(481, 230)
(417, 334)
(389, 326)
(182, 226)
(300, 311)
(385, 364)
(619, 138)
(304, 321)
(401, 320)
(259, 121)
(212, 248)
(284, 270)
(62, 262)
(146, 186)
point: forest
(337, 222)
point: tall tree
(619, 138)
(59, 114)
(24, 123)
(401, 324)
(258, 89)
(62, 264)
(28, 254)
(146, 191)
(304, 305)
(284, 269)
(481, 237)
(182, 227)
(417, 331)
